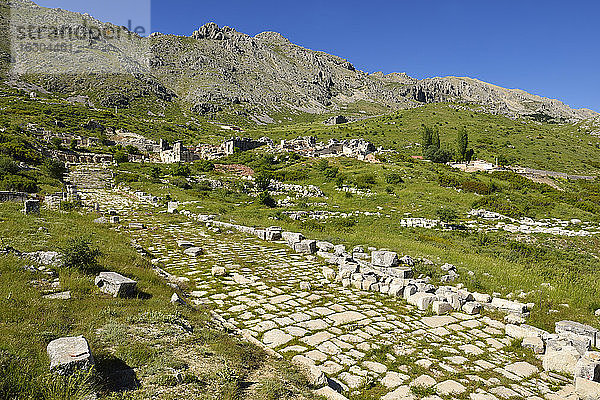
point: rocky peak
(213, 32)
(272, 37)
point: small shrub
(79, 254)
(262, 180)
(181, 183)
(204, 166)
(265, 199)
(55, 169)
(394, 178)
(364, 181)
(180, 170)
(446, 215)
(19, 183)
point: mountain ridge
(218, 69)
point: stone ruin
(115, 284)
(69, 354)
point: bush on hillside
(79, 254)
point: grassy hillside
(175, 351)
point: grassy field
(176, 351)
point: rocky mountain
(218, 69)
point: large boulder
(115, 284)
(69, 354)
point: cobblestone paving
(361, 340)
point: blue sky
(550, 48)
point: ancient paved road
(359, 339)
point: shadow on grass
(115, 375)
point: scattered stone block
(306, 246)
(218, 271)
(306, 286)
(31, 207)
(114, 219)
(58, 296)
(524, 331)
(508, 305)
(136, 226)
(177, 300)
(482, 297)
(325, 246)
(273, 233)
(472, 308)
(588, 366)
(193, 251)
(184, 244)
(536, 344)
(292, 237)
(172, 207)
(339, 249)
(441, 307)
(69, 354)
(421, 300)
(329, 274)
(115, 284)
(384, 259)
(578, 329)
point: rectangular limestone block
(384, 259)
(115, 284)
(68, 354)
(578, 329)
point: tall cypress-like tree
(435, 140)
(427, 137)
(462, 144)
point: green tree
(180, 170)
(462, 143)
(435, 139)
(55, 169)
(265, 199)
(262, 180)
(155, 172)
(427, 137)
(56, 143)
(120, 157)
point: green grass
(173, 348)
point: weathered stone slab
(115, 284)
(586, 389)
(306, 246)
(441, 307)
(508, 305)
(68, 354)
(563, 360)
(524, 331)
(384, 258)
(588, 366)
(193, 251)
(292, 237)
(578, 329)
